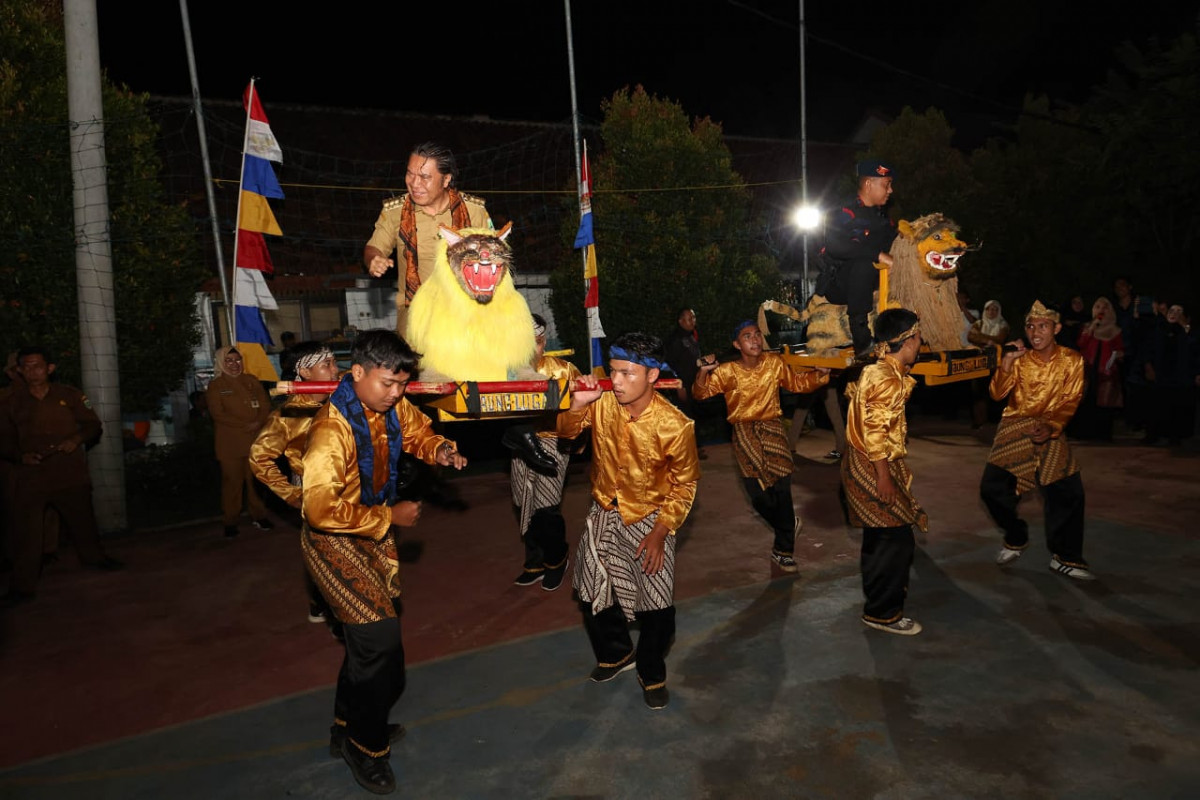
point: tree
(1148, 113)
(671, 220)
(156, 270)
(932, 174)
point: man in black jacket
(857, 237)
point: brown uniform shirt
(386, 237)
(30, 425)
(239, 408)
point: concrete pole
(93, 259)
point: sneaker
(553, 577)
(337, 735)
(231, 531)
(315, 614)
(528, 577)
(785, 562)
(1078, 573)
(656, 698)
(1008, 555)
(604, 674)
(905, 626)
(264, 524)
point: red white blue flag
(251, 257)
(586, 238)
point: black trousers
(886, 558)
(546, 539)
(1063, 503)
(608, 632)
(371, 680)
(775, 505)
(854, 286)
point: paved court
(1024, 683)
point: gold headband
(1039, 311)
(883, 348)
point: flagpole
(208, 179)
(578, 164)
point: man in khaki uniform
(409, 224)
(45, 428)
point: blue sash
(347, 402)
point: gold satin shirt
(1045, 390)
(285, 434)
(332, 485)
(753, 394)
(641, 465)
(875, 420)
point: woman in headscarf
(991, 329)
(1102, 347)
(239, 407)
(1074, 317)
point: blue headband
(741, 326)
(649, 362)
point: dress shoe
(372, 773)
(337, 735)
(523, 440)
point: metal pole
(575, 139)
(208, 181)
(803, 141)
(93, 259)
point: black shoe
(528, 577)
(15, 598)
(604, 674)
(337, 735)
(525, 442)
(552, 578)
(231, 531)
(107, 564)
(264, 524)
(656, 698)
(373, 774)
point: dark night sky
(737, 62)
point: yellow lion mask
(467, 319)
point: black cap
(875, 169)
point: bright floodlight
(806, 218)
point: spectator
(239, 407)
(990, 330)
(681, 348)
(1170, 372)
(1074, 317)
(1102, 346)
(45, 429)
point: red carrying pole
(419, 387)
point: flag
(586, 238)
(251, 258)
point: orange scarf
(460, 217)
